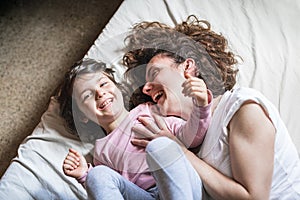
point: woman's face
(98, 98)
(164, 78)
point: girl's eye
(86, 95)
(103, 84)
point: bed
(264, 33)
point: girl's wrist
(82, 178)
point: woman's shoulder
(238, 96)
(245, 92)
(232, 100)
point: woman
(247, 152)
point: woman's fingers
(149, 124)
(140, 142)
(142, 132)
(149, 129)
(160, 121)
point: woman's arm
(251, 144)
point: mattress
(264, 33)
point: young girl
(90, 94)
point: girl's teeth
(105, 103)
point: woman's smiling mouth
(157, 96)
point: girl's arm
(75, 164)
(200, 116)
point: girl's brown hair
(68, 107)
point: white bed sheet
(263, 33)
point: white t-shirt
(215, 148)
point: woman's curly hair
(192, 38)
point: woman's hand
(74, 164)
(151, 130)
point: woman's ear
(190, 66)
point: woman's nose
(147, 88)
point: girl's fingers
(194, 84)
(187, 75)
(189, 91)
(70, 160)
(68, 167)
(74, 152)
(193, 81)
(71, 163)
(73, 157)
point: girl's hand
(151, 130)
(195, 88)
(74, 164)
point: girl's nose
(147, 88)
(99, 93)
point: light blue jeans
(106, 184)
(175, 177)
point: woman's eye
(154, 73)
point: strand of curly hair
(199, 30)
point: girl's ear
(84, 119)
(190, 66)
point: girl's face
(164, 78)
(98, 98)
